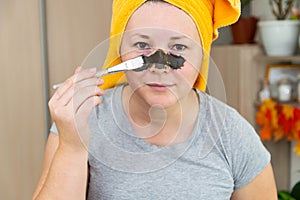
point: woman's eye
(142, 45)
(179, 47)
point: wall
(22, 125)
(261, 9)
(73, 28)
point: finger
(77, 70)
(81, 118)
(85, 74)
(70, 81)
(63, 88)
(86, 107)
(82, 95)
(67, 97)
(67, 84)
(59, 93)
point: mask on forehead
(161, 60)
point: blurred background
(27, 48)
(41, 43)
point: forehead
(160, 16)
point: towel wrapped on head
(208, 15)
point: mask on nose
(161, 60)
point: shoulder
(220, 126)
(237, 140)
(112, 94)
(218, 110)
(231, 125)
(111, 98)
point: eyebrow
(178, 37)
(148, 37)
(141, 35)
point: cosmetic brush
(131, 64)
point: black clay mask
(160, 60)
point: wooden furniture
(239, 67)
(242, 67)
(73, 28)
(22, 126)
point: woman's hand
(71, 105)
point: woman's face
(162, 26)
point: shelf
(295, 58)
(293, 103)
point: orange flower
(297, 113)
(284, 123)
(279, 121)
(266, 133)
(288, 111)
(278, 134)
(274, 118)
(261, 118)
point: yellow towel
(208, 15)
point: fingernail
(77, 70)
(100, 81)
(92, 70)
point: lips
(159, 87)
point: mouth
(159, 86)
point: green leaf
(283, 195)
(296, 191)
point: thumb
(77, 70)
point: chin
(164, 98)
(162, 102)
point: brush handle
(131, 64)
(99, 73)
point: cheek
(189, 73)
(135, 79)
(129, 55)
(192, 65)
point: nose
(158, 60)
(159, 68)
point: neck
(165, 124)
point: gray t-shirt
(222, 154)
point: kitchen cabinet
(242, 67)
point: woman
(156, 136)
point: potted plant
(280, 36)
(243, 31)
(294, 194)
